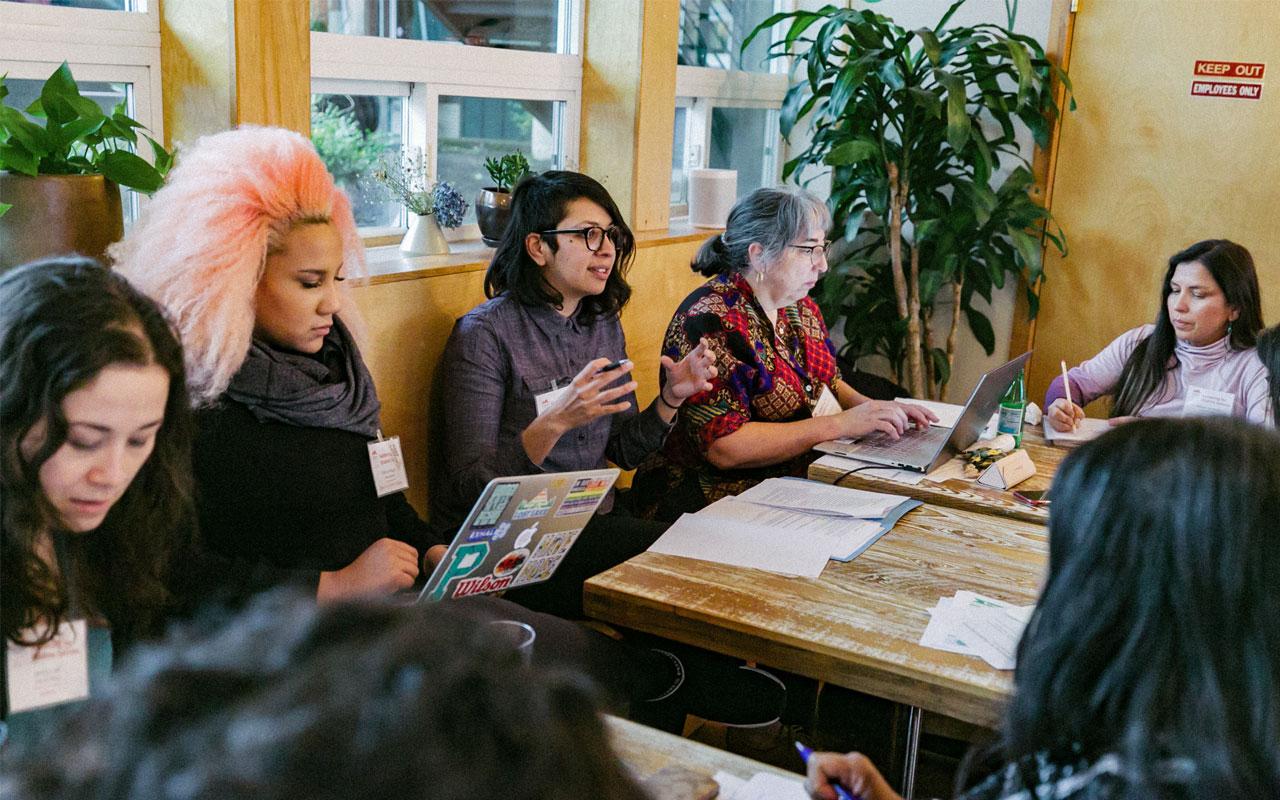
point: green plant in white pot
(60, 181)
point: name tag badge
(827, 404)
(54, 673)
(1208, 403)
(549, 398)
(388, 466)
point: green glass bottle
(1013, 407)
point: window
(112, 47)
(727, 101)
(353, 133)
(458, 81)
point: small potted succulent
(493, 205)
(432, 204)
(60, 181)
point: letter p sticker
(465, 560)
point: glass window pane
(712, 33)
(353, 133)
(679, 178)
(102, 5)
(745, 139)
(472, 129)
(508, 24)
(23, 92)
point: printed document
(816, 497)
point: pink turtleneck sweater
(1213, 366)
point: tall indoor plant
(59, 183)
(930, 191)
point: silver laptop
(923, 450)
(518, 532)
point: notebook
(518, 532)
(922, 450)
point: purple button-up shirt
(499, 358)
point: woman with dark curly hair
(95, 483)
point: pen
(841, 792)
(1066, 386)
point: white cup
(516, 634)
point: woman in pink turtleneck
(1198, 357)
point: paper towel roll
(712, 193)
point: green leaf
(982, 330)
(1028, 248)
(163, 158)
(56, 94)
(927, 100)
(1022, 63)
(24, 132)
(932, 47)
(75, 130)
(958, 122)
(18, 159)
(940, 366)
(130, 170)
(852, 152)
(4, 207)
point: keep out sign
(1209, 79)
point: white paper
(729, 784)
(763, 786)
(845, 535)
(1201, 402)
(53, 673)
(387, 462)
(816, 497)
(1086, 429)
(948, 413)
(543, 402)
(973, 625)
(744, 544)
(846, 464)
(827, 404)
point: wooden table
(646, 751)
(967, 495)
(858, 624)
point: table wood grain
(646, 751)
(966, 495)
(857, 625)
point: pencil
(1066, 386)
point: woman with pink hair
(247, 246)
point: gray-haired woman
(777, 390)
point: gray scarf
(332, 389)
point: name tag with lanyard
(387, 462)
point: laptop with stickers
(518, 532)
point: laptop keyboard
(913, 445)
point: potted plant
(930, 193)
(60, 183)
(432, 204)
(493, 205)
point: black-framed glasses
(815, 251)
(593, 235)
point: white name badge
(549, 398)
(1208, 403)
(827, 404)
(388, 466)
(54, 673)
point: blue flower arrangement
(449, 205)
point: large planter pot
(56, 215)
(493, 211)
(424, 237)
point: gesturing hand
(589, 395)
(691, 375)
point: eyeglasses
(592, 234)
(817, 252)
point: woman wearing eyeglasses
(536, 379)
(777, 390)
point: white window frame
(701, 89)
(425, 71)
(110, 46)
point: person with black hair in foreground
(365, 699)
(1151, 665)
(1269, 355)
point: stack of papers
(762, 786)
(974, 625)
(786, 525)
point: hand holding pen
(844, 777)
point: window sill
(387, 264)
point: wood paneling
(858, 625)
(273, 63)
(196, 53)
(1145, 169)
